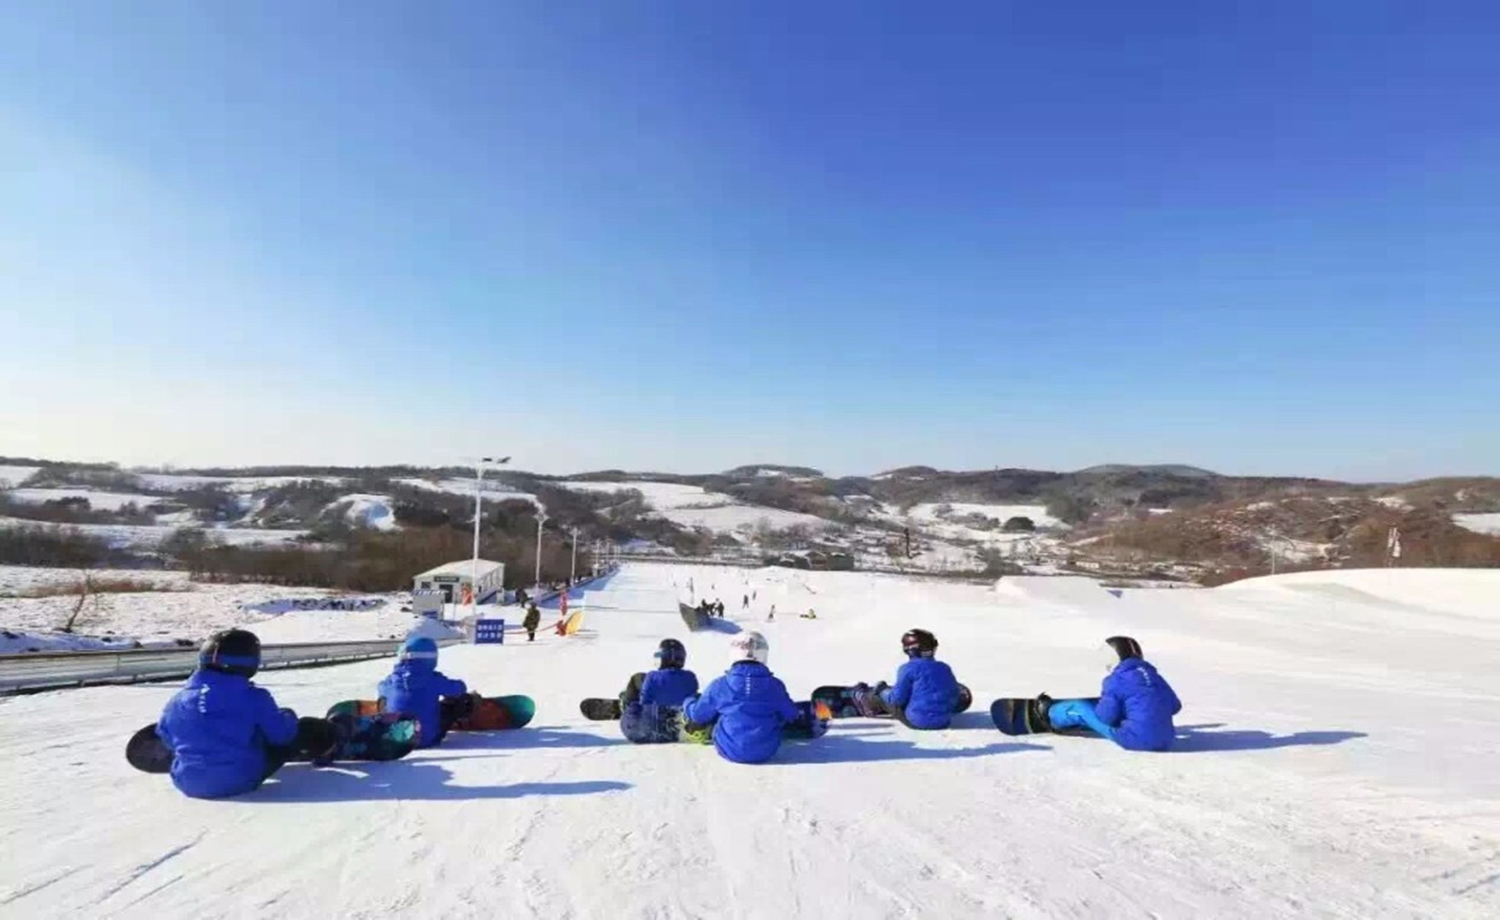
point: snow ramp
(1063, 590)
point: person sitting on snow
(1136, 704)
(227, 736)
(668, 685)
(417, 688)
(747, 706)
(926, 692)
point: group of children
(228, 736)
(747, 706)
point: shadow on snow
(1199, 738)
(404, 780)
(835, 748)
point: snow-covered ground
(12, 476)
(694, 506)
(177, 482)
(999, 513)
(146, 536)
(369, 511)
(494, 490)
(1335, 758)
(98, 500)
(190, 611)
(1479, 523)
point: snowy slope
(1479, 523)
(12, 476)
(368, 510)
(140, 536)
(694, 506)
(100, 501)
(1336, 758)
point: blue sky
(1259, 238)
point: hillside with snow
(1334, 758)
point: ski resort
(1333, 757)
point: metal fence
(33, 671)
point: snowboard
(651, 724)
(494, 713)
(1025, 716)
(862, 700)
(387, 736)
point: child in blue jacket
(1136, 704)
(227, 735)
(747, 706)
(416, 687)
(669, 685)
(926, 692)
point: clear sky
(1258, 237)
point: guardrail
(31, 671)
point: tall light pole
(573, 567)
(478, 504)
(541, 518)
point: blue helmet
(231, 651)
(418, 648)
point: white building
(453, 578)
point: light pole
(573, 567)
(478, 503)
(541, 518)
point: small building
(453, 578)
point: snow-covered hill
(1335, 758)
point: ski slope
(1336, 757)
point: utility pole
(478, 504)
(573, 567)
(541, 518)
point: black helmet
(671, 653)
(1125, 647)
(232, 651)
(918, 643)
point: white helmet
(752, 646)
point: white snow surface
(694, 506)
(12, 476)
(99, 501)
(146, 535)
(369, 510)
(1002, 513)
(1479, 523)
(1335, 757)
(178, 482)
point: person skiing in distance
(227, 736)
(926, 692)
(669, 684)
(1136, 704)
(417, 688)
(531, 622)
(747, 705)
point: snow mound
(1067, 590)
(1479, 523)
(368, 511)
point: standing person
(1136, 704)
(532, 621)
(746, 604)
(718, 608)
(747, 706)
(772, 617)
(926, 692)
(227, 735)
(417, 688)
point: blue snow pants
(1075, 714)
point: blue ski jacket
(751, 705)
(218, 727)
(668, 686)
(1139, 704)
(415, 687)
(927, 691)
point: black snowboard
(651, 724)
(1026, 716)
(387, 736)
(860, 700)
(601, 710)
